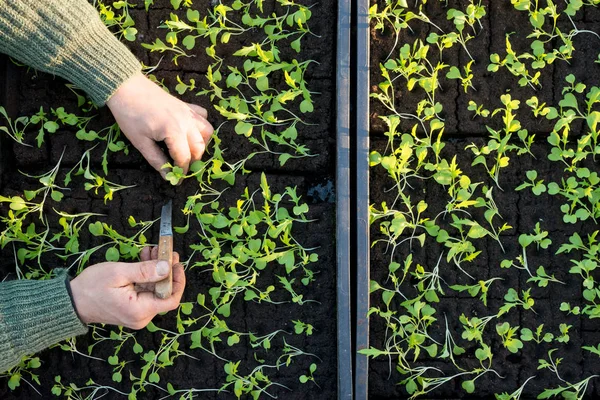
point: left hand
(105, 293)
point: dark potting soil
(312, 177)
(520, 209)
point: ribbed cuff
(33, 316)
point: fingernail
(162, 268)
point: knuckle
(144, 273)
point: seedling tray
(465, 291)
(322, 186)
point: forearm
(33, 316)
(68, 39)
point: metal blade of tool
(164, 288)
(165, 219)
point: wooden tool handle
(164, 288)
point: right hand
(147, 114)
(105, 293)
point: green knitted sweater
(33, 316)
(68, 39)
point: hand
(105, 293)
(147, 114)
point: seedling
(465, 80)
(95, 181)
(472, 15)
(123, 24)
(15, 129)
(570, 390)
(515, 64)
(479, 110)
(516, 395)
(397, 16)
(450, 348)
(25, 368)
(500, 141)
(302, 327)
(473, 328)
(513, 300)
(593, 349)
(537, 186)
(309, 377)
(540, 238)
(473, 290)
(538, 336)
(509, 337)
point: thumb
(146, 271)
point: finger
(145, 254)
(154, 155)
(205, 128)
(143, 272)
(197, 145)
(155, 255)
(180, 151)
(172, 302)
(155, 305)
(198, 110)
(144, 287)
(178, 280)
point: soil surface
(25, 91)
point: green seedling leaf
(137, 348)
(187, 308)
(112, 254)
(154, 377)
(117, 377)
(96, 228)
(372, 352)
(468, 386)
(244, 128)
(232, 340)
(306, 106)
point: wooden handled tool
(164, 288)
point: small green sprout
(509, 336)
(593, 349)
(479, 110)
(516, 395)
(473, 290)
(309, 377)
(537, 186)
(570, 390)
(25, 368)
(302, 327)
(564, 333)
(466, 80)
(513, 300)
(538, 336)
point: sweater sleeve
(33, 316)
(68, 39)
